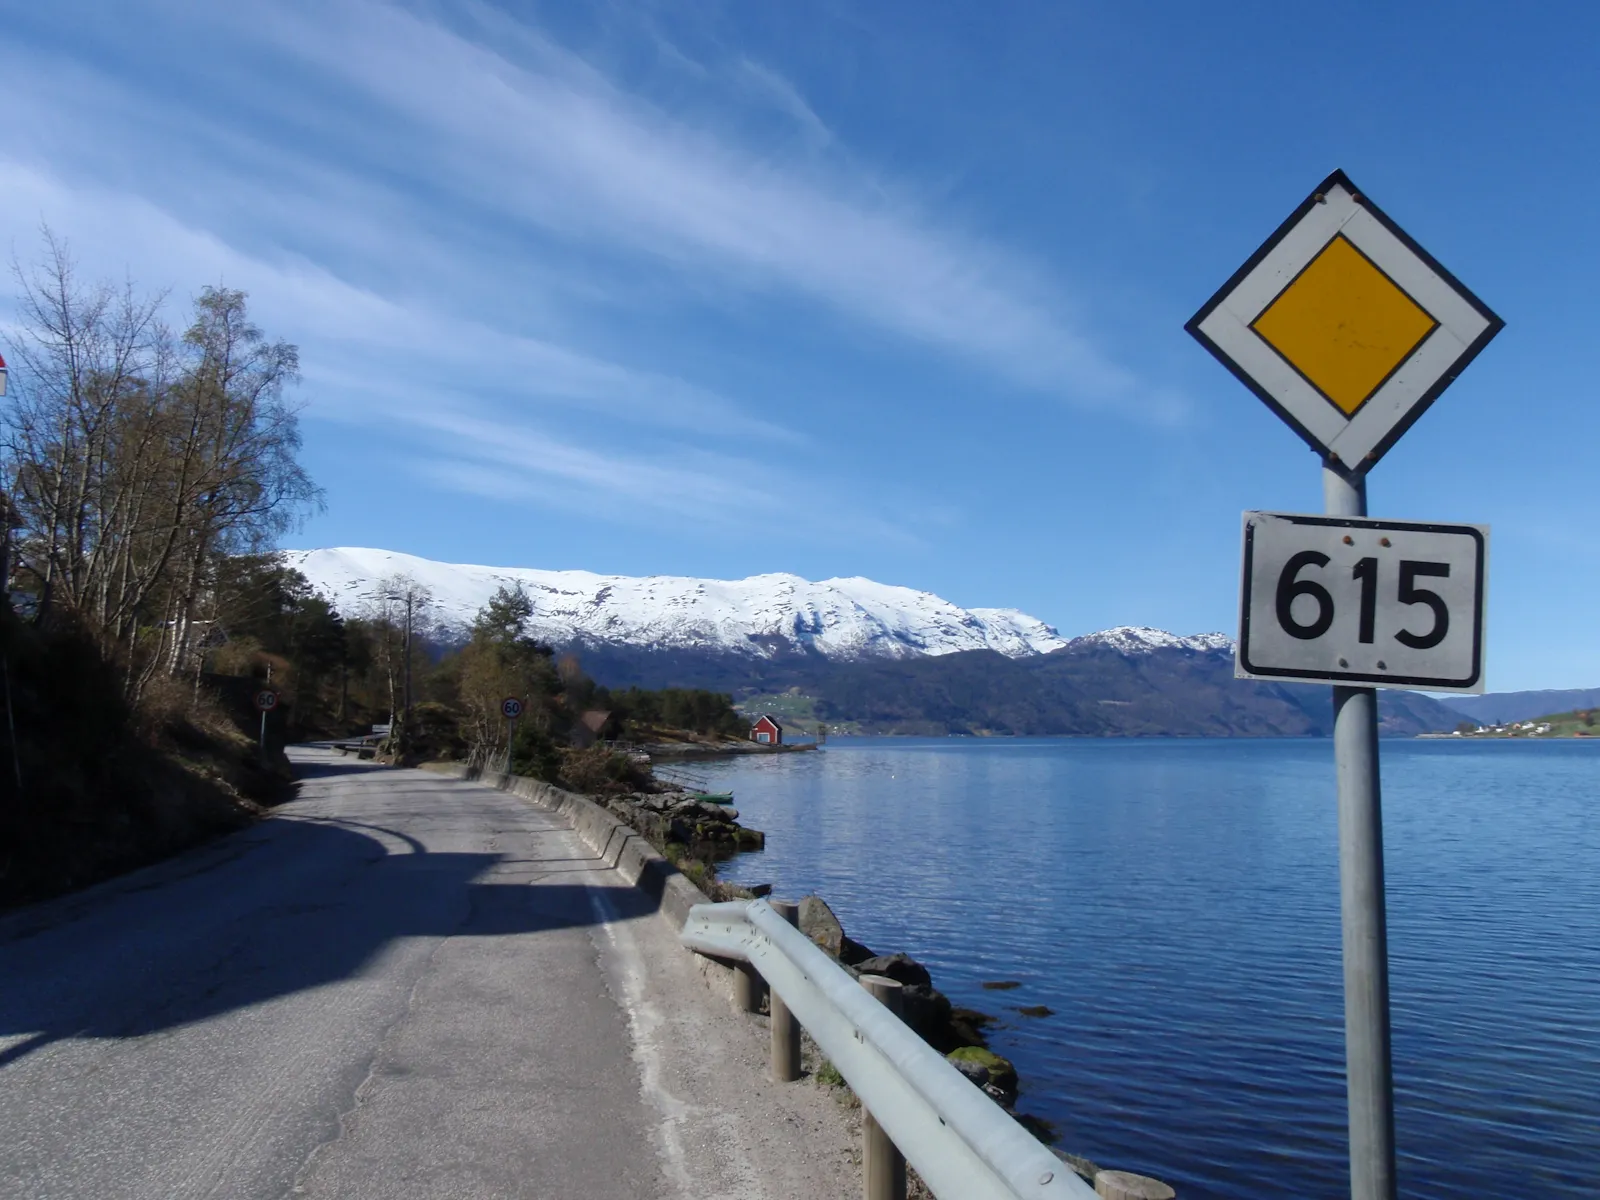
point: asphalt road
(399, 985)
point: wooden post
(883, 1167)
(785, 1029)
(1121, 1185)
(747, 985)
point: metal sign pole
(263, 733)
(1348, 329)
(511, 732)
(1368, 1072)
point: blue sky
(893, 290)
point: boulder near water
(819, 924)
(902, 968)
(1002, 1075)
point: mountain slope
(882, 658)
(1498, 707)
(1085, 689)
(1090, 688)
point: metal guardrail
(963, 1145)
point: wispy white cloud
(481, 456)
(531, 131)
(690, 483)
(458, 218)
(473, 395)
(780, 93)
(368, 342)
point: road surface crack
(364, 1091)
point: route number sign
(266, 701)
(1362, 602)
(511, 708)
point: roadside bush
(534, 754)
(598, 771)
(435, 734)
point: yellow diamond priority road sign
(1345, 326)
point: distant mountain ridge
(1498, 707)
(1086, 689)
(877, 657)
(761, 616)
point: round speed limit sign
(511, 708)
(266, 701)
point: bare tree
(139, 461)
(85, 360)
(239, 441)
(400, 610)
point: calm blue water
(1177, 904)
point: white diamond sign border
(1350, 443)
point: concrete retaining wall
(620, 845)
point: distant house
(767, 731)
(596, 725)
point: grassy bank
(91, 787)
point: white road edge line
(623, 966)
(624, 970)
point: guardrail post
(785, 1029)
(1121, 1185)
(883, 1167)
(746, 988)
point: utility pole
(409, 596)
(405, 720)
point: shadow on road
(287, 906)
(314, 768)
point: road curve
(399, 985)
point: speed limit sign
(266, 701)
(1350, 600)
(511, 708)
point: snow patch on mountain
(1141, 639)
(762, 615)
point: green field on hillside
(797, 712)
(1585, 722)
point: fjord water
(1176, 904)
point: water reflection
(1176, 904)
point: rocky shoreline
(726, 748)
(957, 1033)
(694, 835)
(703, 830)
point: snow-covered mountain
(841, 619)
(741, 636)
(766, 614)
(1141, 639)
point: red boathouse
(767, 731)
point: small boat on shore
(695, 787)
